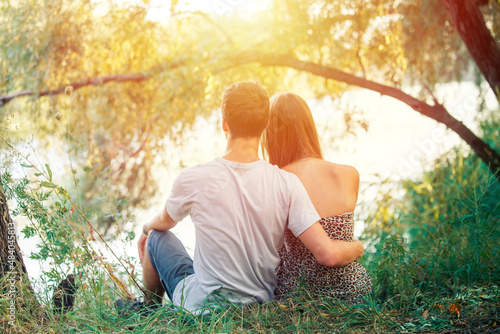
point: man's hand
(360, 247)
(328, 252)
(160, 222)
(142, 246)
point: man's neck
(243, 150)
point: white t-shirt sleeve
(179, 202)
(301, 213)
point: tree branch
(97, 81)
(138, 77)
(437, 111)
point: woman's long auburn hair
(291, 134)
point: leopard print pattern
(299, 269)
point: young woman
(291, 142)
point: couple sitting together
(263, 229)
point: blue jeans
(169, 259)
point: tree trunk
(14, 279)
(469, 22)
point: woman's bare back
(332, 188)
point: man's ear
(225, 127)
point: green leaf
(47, 184)
(38, 174)
(49, 171)
(87, 169)
(27, 166)
(130, 236)
(63, 192)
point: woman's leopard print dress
(299, 268)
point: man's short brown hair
(245, 107)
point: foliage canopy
(189, 58)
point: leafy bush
(441, 235)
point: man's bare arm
(328, 252)
(161, 222)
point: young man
(240, 206)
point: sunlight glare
(160, 10)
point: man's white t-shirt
(240, 212)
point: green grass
(478, 312)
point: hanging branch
(138, 77)
(97, 81)
(436, 111)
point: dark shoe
(128, 307)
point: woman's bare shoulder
(349, 177)
(325, 168)
(341, 169)
(343, 172)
